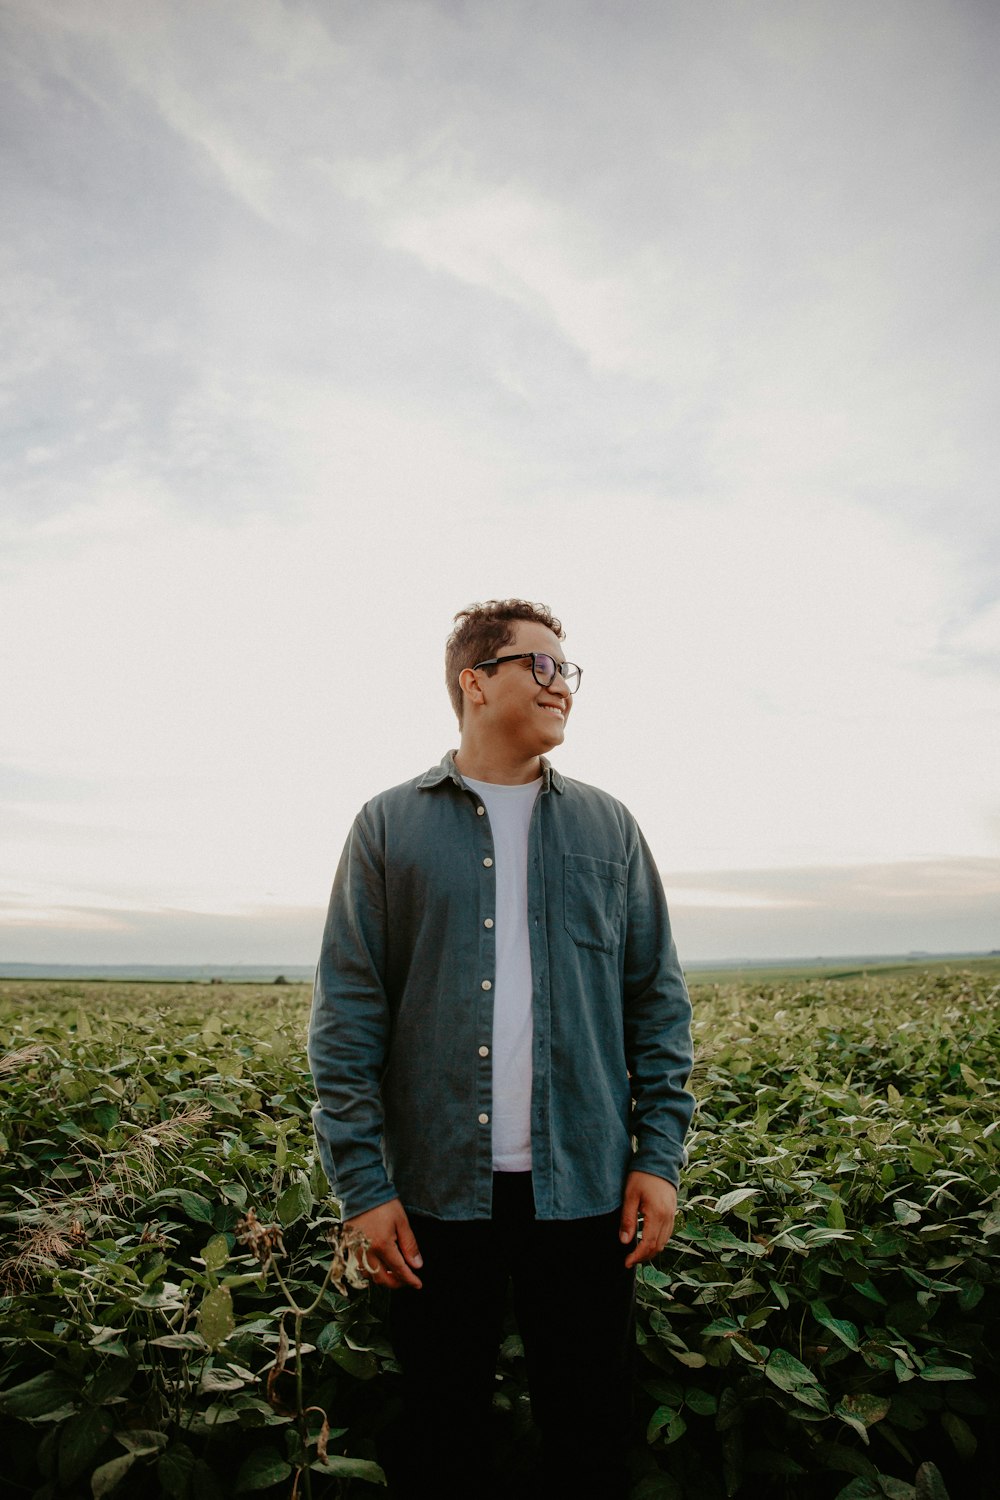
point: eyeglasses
(543, 668)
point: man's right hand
(393, 1255)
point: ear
(471, 687)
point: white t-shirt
(509, 810)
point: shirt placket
(484, 1010)
(541, 1056)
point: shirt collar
(446, 770)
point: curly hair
(481, 630)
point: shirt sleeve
(657, 1012)
(349, 1030)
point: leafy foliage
(831, 1307)
(824, 1322)
(142, 1343)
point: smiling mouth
(550, 708)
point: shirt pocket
(594, 900)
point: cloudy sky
(322, 318)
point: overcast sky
(321, 320)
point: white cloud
(523, 247)
(323, 321)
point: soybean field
(181, 1314)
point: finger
(382, 1275)
(645, 1249)
(654, 1229)
(655, 1234)
(630, 1216)
(394, 1262)
(409, 1248)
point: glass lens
(543, 669)
(571, 675)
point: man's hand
(654, 1200)
(392, 1255)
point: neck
(496, 763)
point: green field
(823, 1324)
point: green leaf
(862, 1411)
(895, 1489)
(205, 1423)
(106, 1479)
(260, 1469)
(945, 1372)
(174, 1469)
(167, 1297)
(216, 1253)
(721, 1328)
(36, 1398)
(748, 1349)
(930, 1485)
(845, 1331)
(295, 1202)
(702, 1403)
(141, 1441)
(361, 1366)
(835, 1215)
(106, 1116)
(194, 1205)
(961, 1434)
(970, 1295)
(109, 1381)
(662, 1417)
(843, 1460)
(215, 1317)
(350, 1468)
(80, 1441)
(789, 1374)
(226, 1378)
(729, 1201)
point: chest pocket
(594, 895)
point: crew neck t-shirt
(509, 809)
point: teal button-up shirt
(401, 1031)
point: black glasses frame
(564, 668)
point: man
(500, 1042)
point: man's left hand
(654, 1200)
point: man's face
(518, 713)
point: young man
(500, 1042)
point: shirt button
(484, 1119)
(488, 922)
(487, 985)
(484, 1052)
(480, 811)
(487, 862)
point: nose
(558, 685)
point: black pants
(574, 1304)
